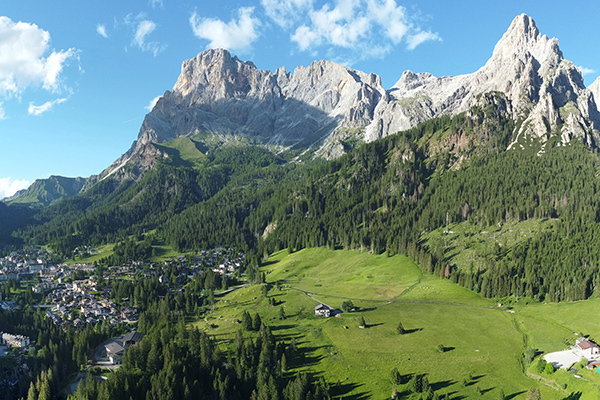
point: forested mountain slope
(226, 159)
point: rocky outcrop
(527, 67)
(220, 94)
(325, 104)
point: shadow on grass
(409, 331)
(343, 390)
(484, 391)
(281, 327)
(513, 395)
(305, 356)
(373, 325)
(441, 384)
(573, 396)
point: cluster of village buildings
(81, 302)
(24, 264)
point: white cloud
(150, 106)
(2, 113)
(285, 12)
(8, 186)
(156, 3)
(420, 37)
(143, 27)
(391, 17)
(23, 63)
(585, 71)
(47, 106)
(362, 28)
(234, 35)
(101, 30)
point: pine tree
(283, 363)
(247, 321)
(501, 395)
(400, 329)
(395, 377)
(362, 323)
(256, 323)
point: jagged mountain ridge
(326, 103)
(527, 67)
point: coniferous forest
(380, 197)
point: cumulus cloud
(41, 109)
(101, 30)
(237, 35)
(150, 106)
(585, 71)
(365, 28)
(2, 113)
(9, 187)
(142, 28)
(23, 59)
(414, 40)
(286, 12)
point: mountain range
(326, 109)
(324, 105)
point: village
(79, 294)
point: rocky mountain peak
(523, 41)
(326, 104)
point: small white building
(114, 352)
(587, 348)
(322, 310)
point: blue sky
(78, 76)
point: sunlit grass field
(483, 343)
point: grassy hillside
(44, 192)
(184, 151)
(483, 343)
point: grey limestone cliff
(325, 103)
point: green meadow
(482, 343)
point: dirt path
(394, 300)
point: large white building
(15, 340)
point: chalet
(114, 352)
(131, 339)
(587, 348)
(322, 310)
(116, 347)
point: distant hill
(44, 192)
